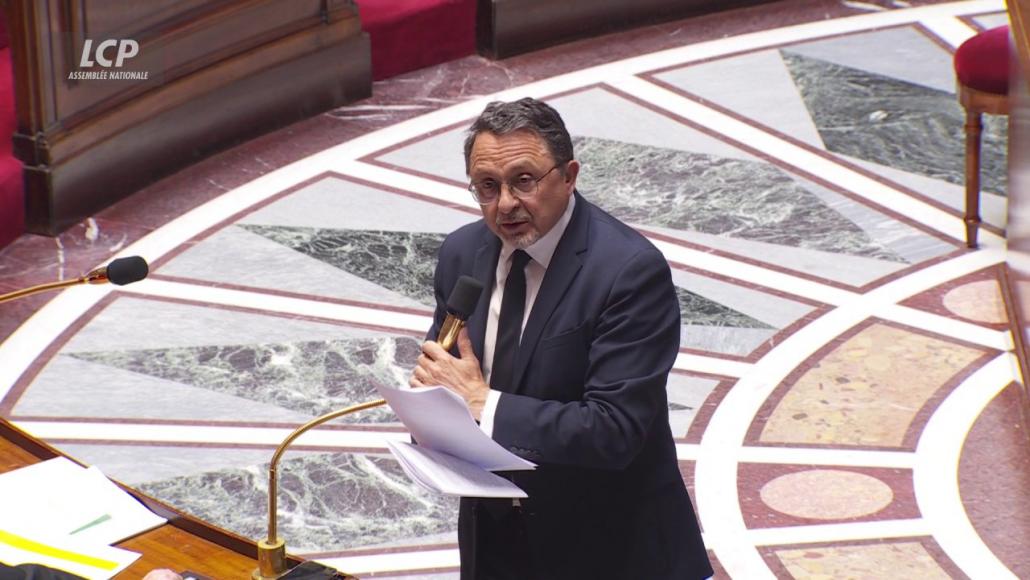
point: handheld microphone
(120, 272)
(460, 305)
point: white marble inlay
(261, 301)
(768, 308)
(394, 562)
(136, 465)
(235, 256)
(898, 49)
(992, 20)
(630, 122)
(734, 84)
(132, 323)
(992, 206)
(851, 270)
(342, 204)
(845, 532)
(793, 155)
(686, 395)
(68, 387)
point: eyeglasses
(525, 185)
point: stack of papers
(449, 475)
(453, 455)
(65, 516)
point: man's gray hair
(526, 114)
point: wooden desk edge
(184, 543)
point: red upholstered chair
(982, 71)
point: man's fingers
(432, 349)
(421, 377)
(421, 373)
(465, 344)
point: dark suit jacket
(588, 404)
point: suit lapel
(484, 269)
(565, 264)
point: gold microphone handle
(452, 325)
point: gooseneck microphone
(272, 560)
(460, 305)
(120, 272)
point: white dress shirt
(541, 253)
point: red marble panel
(994, 480)
(883, 569)
(933, 300)
(752, 477)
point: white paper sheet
(449, 475)
(123, 517)
(37, 498)
(58, 499)
(439, 420)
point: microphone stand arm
(98, 276)
(272, 550)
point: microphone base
(271, 560)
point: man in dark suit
(564, 362)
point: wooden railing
(1016, 281)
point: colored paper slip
(92, 562)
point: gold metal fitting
(271, 560)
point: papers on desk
(453, 455)
(57, 511)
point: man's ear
(571, 173)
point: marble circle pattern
(827, 494)
(798, 218)
(980, 301)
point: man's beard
(520, 241)
(523, 241)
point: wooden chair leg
(974, 127)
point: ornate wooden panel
(112, 94)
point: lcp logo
(108, 53)
(126, 50)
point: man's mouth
(513, 226)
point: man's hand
(162, 574)
(461, 375)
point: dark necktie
(509, 323)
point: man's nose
(507, 202)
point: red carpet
(414, 34)
(12, 202)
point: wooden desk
(184, 543)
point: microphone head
(464, 297)
(127, 270)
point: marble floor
(844, 402)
